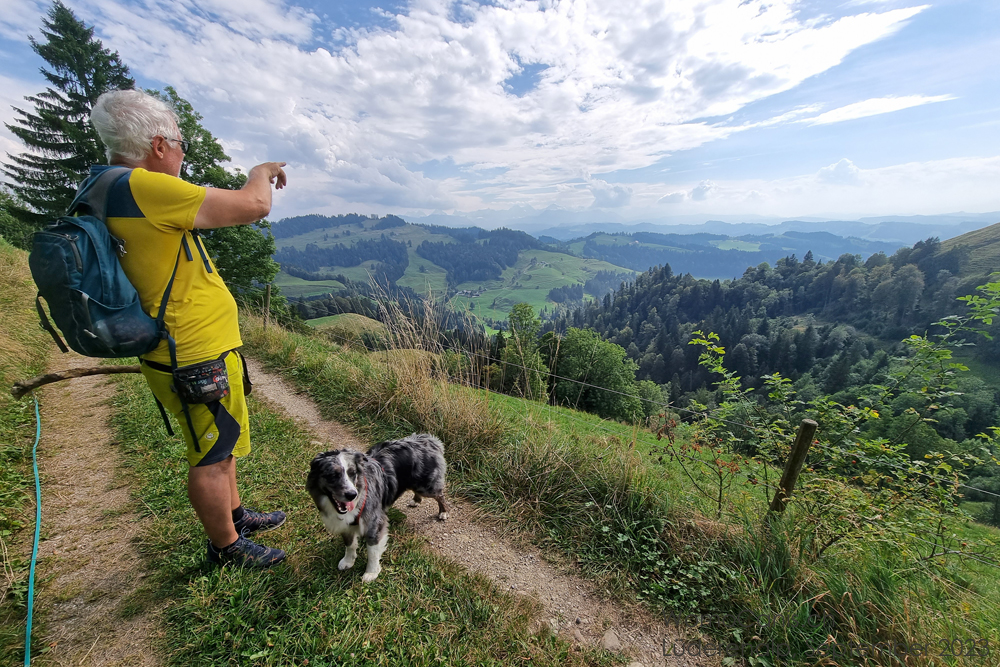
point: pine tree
(61, 142)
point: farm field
(529, 281)
(295, 288)
(431, 279)
(735, 244)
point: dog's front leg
(375, 551)
(350, 550)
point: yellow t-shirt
(152, 213)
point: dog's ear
(320, 458)
(359, 458)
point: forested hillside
(481, 258)
(831, 327)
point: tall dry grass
(23, 345)
(604, 506)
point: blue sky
(638, 111)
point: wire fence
(665, 407)
(738, 429)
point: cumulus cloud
(619, 85)
(874, 107)
(934, 186)
(703, 190)
(607, 195)
(842, 172)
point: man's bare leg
(234, 492)
(210, 492)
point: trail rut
(87, 562)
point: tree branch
(24, 386)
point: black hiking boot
(253, 521)
(245, 554)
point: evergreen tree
(11, 228)
(61, 142)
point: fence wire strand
(664, 406)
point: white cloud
(843, 172)
(790, 115)
(672, 198)
(842, 190)
(625, 84)
(21, 18)
(607, 195)
(874, 107)
(703, 190)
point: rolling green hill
(528, 279)
(350, 323)
(706, 255)
(431, 279)
(983, 247)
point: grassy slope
(518, 283)
(575, 482)
(24, 349)
(293, 287)
(984, 247)
(422, 610)
(433, 278)
(530, 284)
(348, 322)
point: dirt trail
(87, 563)
(572, 605)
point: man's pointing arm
(225, 208)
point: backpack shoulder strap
(93, 193)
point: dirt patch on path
(87, 562)
(572, 606)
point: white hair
(127, 121)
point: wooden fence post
(795, 460)
(267, 304)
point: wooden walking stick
(24, 386)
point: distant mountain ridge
(566, 225)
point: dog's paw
(443, 516)
(413, 503)
(369, 577)
(345, 564)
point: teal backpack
(74, 262)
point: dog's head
(336, 474)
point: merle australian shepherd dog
(352, 490)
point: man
(158, 215)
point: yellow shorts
(221, 427)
